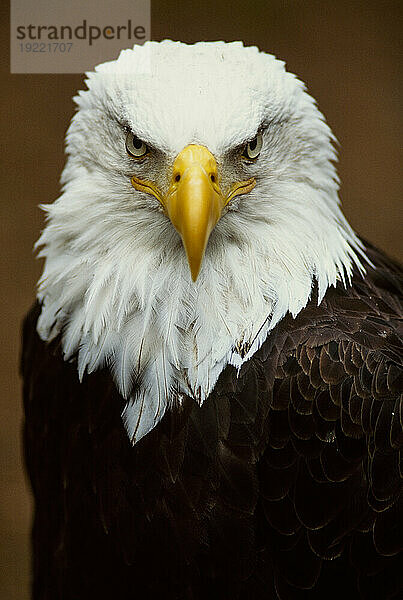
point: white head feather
(116, 283)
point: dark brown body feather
(284, 484)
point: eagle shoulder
(329, 476)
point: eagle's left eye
(253, 148)
(135, 147)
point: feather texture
(284, 484)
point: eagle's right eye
(135, 147)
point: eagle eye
(135, 147)
(252, 149)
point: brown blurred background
(347, 52)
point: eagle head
(199, 205)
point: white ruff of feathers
(116, 283)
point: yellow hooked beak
(194, 202)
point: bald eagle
(212, 367)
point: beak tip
(194, 259)
(194, 274)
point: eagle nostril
(212, 177)
(177, 177)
